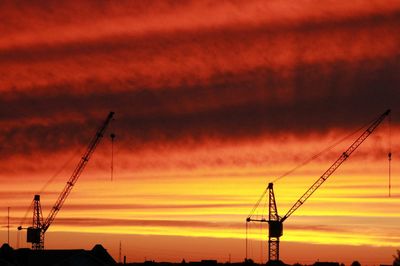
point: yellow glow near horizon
(351, 208)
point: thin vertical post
(261, 245)
(246, 239)
(120, 249)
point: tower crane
(35, 233)
(275, 222)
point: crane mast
(35, 234)
(275, 222)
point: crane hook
(112, 136)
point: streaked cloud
(212, 100)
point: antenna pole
(246, 239)
(120, 251)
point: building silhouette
(97, 256)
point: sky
(213, 100)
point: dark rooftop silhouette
(98, 256)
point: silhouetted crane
(275, 222)
(35, 233)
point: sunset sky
(213, 100)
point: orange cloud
(207, 112)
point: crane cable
(390, 154)
(112, 136)
(313, 158)
(333, 145)
(60, 170)
(257, 203)
(51, 179)
(262, 217)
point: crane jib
(276, 223)
(346, 154)
(78, 170)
